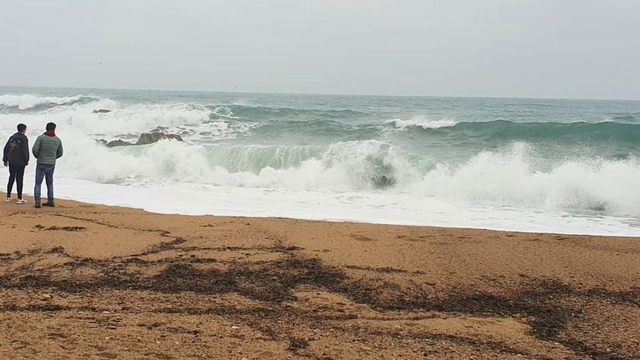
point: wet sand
(85, 281)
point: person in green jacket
(47, 149)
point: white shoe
(22, 201)
(7, 200)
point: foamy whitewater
(509, 164)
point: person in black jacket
(16, 157)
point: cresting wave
(30, 102)
(499, 178)
(613, 132)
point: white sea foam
(422, 122)
(506, 178)
(191, 121)
(510, 178)
(401, 209)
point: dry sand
(84, 281)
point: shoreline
(83, 280)
(365, 208)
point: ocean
(564, 166)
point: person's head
(22, 128)
(51, 126)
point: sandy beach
(86, 281)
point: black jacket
(16, 152)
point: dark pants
(42, 172)
(16, 174)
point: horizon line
(319, 94)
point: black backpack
(14, 144)
(14, 150)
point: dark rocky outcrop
(116, 143)
(101, 111)
(150, 138)
(145, 139)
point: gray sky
(520, 48)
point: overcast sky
(515, 48)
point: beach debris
(296, 344)
(66, 228)
(56, 250)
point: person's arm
(25, 150)
(5, 156)
(36, 148)
(60, 151)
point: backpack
(14, 144)
(15, 153)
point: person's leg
(49, 177)
(20, 180)
(12, 179)
(38, 187)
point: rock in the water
(383, 182)
(101, 111)
(116, 143)
(150, 138)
